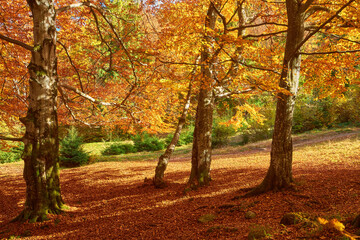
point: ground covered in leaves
(116, 200)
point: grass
(95, 150)
(335, 151)
(344, 151)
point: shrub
(14, 155)
(119, 148)
(221, 134)
(145, 142)
(71, 153)
(186, 137)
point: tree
(220, 45)
(41, 170)
(201, 151)
(41, 151)
(164, 158)
(279, 174)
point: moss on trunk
(41, 152)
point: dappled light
(111, 199)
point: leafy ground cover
(115, 200)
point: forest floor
(116, 200)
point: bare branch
(71, 6)
(306, 5)
(179, 63)
(257, 25)
(16, 42)
(228, 94)
(315, 9)
(11, 139)
(320, 27)
(101, 37)
(72, 64)
(264, 35)
(69, 109)
(341, 38)
(330, 52)
(223, 19)
(88, 97)
(101, 12)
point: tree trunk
(164, 158)
(279, 174)
(201, 151)
(41, 170)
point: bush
(220, 134)
(310, 114)
(145, 142)
(71, 153)
(119, 148)
(186, 137)
(14, 155)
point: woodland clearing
(111, 200)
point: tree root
(35, 216)
(159, 183)
(263, 188)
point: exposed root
(35, 216)
(263, 188)
(159, 183)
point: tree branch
(264, 35)
(228, 94)
(341, 38)
(260, 68)
(16, 42)
(320, 27)
(180, 63)
(315, 9)
(306, 5)
(69, 109)
(71, 6)
(330, 52)
(223, 19)
(257, 25)
(88, 97)
(11, 139)
(72, 64)
(102, 13)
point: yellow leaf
(334, 223)
(322, 221)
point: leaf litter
(111, 200)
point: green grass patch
(142, 156)
(95, 148)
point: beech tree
(201, 150)
(279, 174)
(41, 170)
(221, 46)
(41, 160)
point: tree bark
(279, 174)
(201, 151)
(41, 170)
(164, 158)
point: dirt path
(265, 146)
